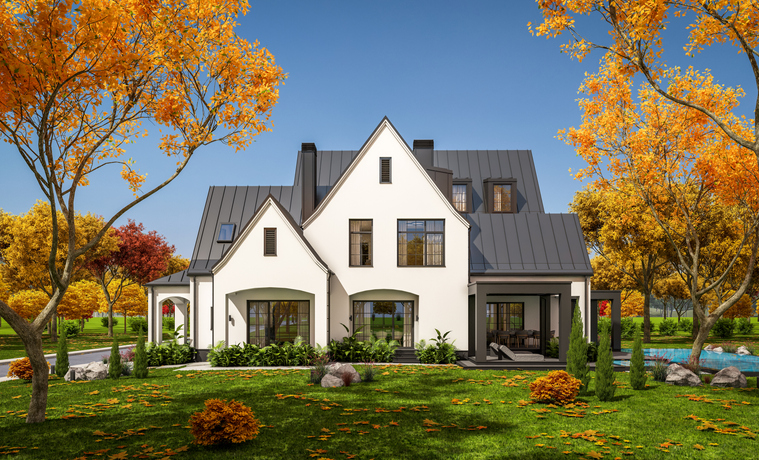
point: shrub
(744, 326)
(724, 328)
(604, 326)
(22, 369)
(751, 347)
(368, 372)
(659, 369)
(558, 387)
(577, 357)
(138, 324)
(441, 352)
(223, 422)
(638, 375)
(694, 365)
(346, 378)
(104, 321)
(114, 362)
(552, 348)
(628, 327)
(320, 362)
(127, 355)
(729, 347)
(169, 353)
(70, 328)
(168, 323)
(140, 358)
(62, 355)
(685, 325)
(591, 350)
(605, 387)
(668, 327)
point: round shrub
(558, 387)
(22, 369)
(138, 324)
(104, 321)
(724, 328)
(70, 327)
(169, 322)
(744, 326)
(668, 327)
(223, 422)
(685, 325)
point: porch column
(565, 321)
(480, 325)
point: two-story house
(389, 241)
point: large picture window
(421, 243)
(388, 320)
(505, 316)
(361, 243)
(278, 321)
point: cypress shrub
(638, 375)
(140, 358)
(605, 370)
(114, 363)
(577, 355)
(62, 355)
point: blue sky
(466, 74)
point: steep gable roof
(175, 279)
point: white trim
(384, 125)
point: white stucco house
(387, 240)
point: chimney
(423, 152)
(308, 179)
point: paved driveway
(75, 357)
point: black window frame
(467, 198)
(266, 241)
(389, 170)
(424, 243)
(268, 335)
(371, 243)
(490, 185)
(501, 317)
(219, 239)
(361, 319)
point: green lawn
(683, 340)
(408, 412)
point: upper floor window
(421, 243)
(502, 198)
(270, 241)
(385, 171)
(501, 195)
(360, 243)
(226, 233)
(459, 197)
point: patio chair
(498, 353)
(522, 337)
(521, 355)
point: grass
(94, 336)
(683, 339)
(410, 412)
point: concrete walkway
(75, 358)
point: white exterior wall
(440, 292)
(246, 274)
(201, 288)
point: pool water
(710, 359)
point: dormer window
(462, 195)
(501, 195)
(385, 171)
(226, 233)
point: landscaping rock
(680, 376)
(709, 347)
(338, 370)
(718, 350)
(330, 381)
(742, 350)
(95, 370)
(729, 377)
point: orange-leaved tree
(679, 139)
(132, 300)
(80, 301)
(77, 79)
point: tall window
(502, 198)
(277, 321)
(421, 242)
(390, 320)
(503, 316)
(361, 243)
(459, 197)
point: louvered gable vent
(270, 241)
(385, 177)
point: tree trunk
(694, 330)
(110, 320)
(647, 317)
(54, 327)
(33, 345)
(125, 317)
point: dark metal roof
(527, 243)
(479, 165)
(330, 165)
(233, 205)
(175, 279)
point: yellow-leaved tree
(77, 79)
(677, 138)
(80, 301)
(132, 301)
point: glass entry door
(389, 320)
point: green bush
(285, 354)
(591, 351)
(605, 387)
(604, 326)
(352, 350)
(138, 324)
(668, 327)
(744, 326)
(577, 356)
(140, 358)
(62, 355)
(628, 327)
(70, 327)
(724, 328)
(441, 352)
(104, 321)
(552, 348)
(685, 324)
(638, 375)
(114, 363)
(168, 322)
(169, 353)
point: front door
(389, 320)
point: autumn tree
(673, 292)
(632, 247)
(682, 141)
(132, 301)
(81, 299)
(76, 82)
(140, 258)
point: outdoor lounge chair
(520, 355)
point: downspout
(194, 307)
(587, 306)
(329, 296)
(213, 298)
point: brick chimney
(308, 179)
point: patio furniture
(520, 355)
(535, 336)
(522, 337)
(498, 353)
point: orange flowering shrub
(22, 368)
(223, 422)
(557, 387)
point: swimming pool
(710, 359)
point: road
(75, 357)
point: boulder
(742, 350)
(718, 350)
(95, 370)
(678, 375)
(338, 370)
(330, 381)
(729, 377)
(709, 347)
